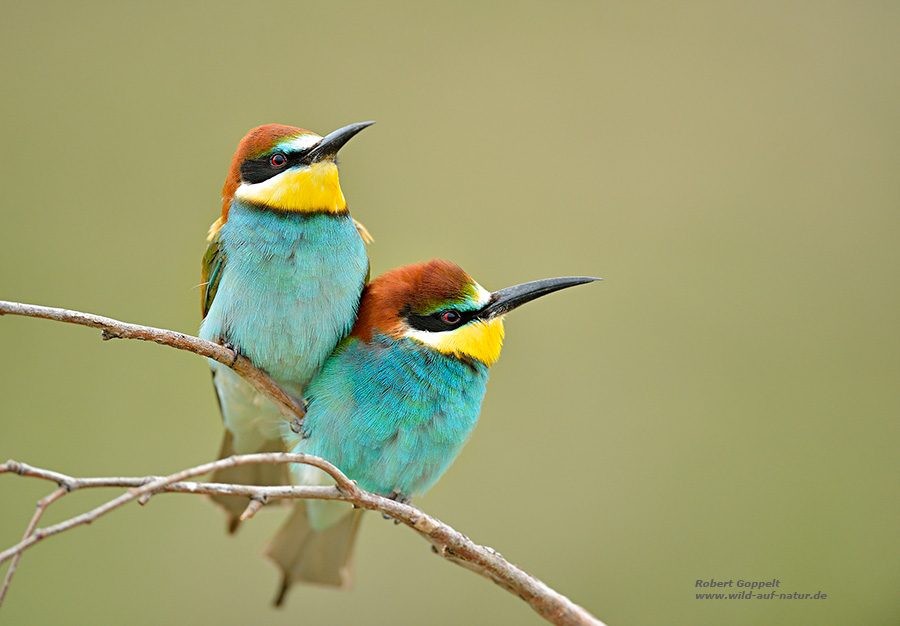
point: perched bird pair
(393, 372)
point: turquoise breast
(289, 289)
(392, 414)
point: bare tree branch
(445, 541)
(114, 329)
(42, 505)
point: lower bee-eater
(394, 404)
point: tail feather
(258, 474)
(304, 554)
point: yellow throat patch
(477, 340)
(310, 189)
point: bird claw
(237, 351)
(298, 428)
(397, 496)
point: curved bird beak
(506, 300)
(334, 141)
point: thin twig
(447, 542)
(159, 484)
(114, 329)
(253, 507)
(42, 505)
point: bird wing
(363, 232)
(213, 265)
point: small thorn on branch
(107, 335)
(255, 505)
(145, 497)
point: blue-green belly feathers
(284, 302)
(288, 290)
(392, 413)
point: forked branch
(446, 541)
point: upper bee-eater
(282, 279)
(394, 404)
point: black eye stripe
(261, 168)
(435, 323)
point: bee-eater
(281, 284)
(394, 404)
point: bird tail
(257, 474)
(311, 555)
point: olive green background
(724, 405)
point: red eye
(450, 317)
(278, 159)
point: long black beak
(334, 141)
(506, 300)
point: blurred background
(724, 405)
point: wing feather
(213, 264)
